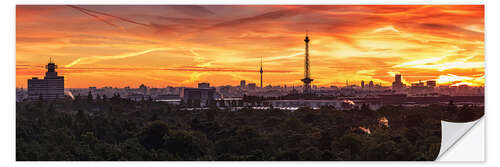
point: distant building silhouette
(370, 84)
(261, 71)
(307, 76)
(417, 87)
(138, 97)
(204, 85)
(419, 84)
(143, 89)
(431, 83)
(243, 83)
(362, 84)
(199, 97)
(397, 84)
(49, 88)
(252, 85)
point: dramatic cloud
(180, 45)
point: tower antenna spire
(261, 71)
(261, 61)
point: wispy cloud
(94, 13)
(96, 17)
(455, 80)
(207, 69)
(92, 59)
(434, 63)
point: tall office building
(243, 83)
(397, 84)
(49, 88)
(397, 78)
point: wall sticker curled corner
(451, 133)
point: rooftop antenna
(261, 71)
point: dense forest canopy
(119, 129)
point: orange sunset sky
(182, 45)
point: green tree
(188, 145)
(151, 136)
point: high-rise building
(370, 84)
(243, 83)
(397, 78)
(307, 77)
(49, 88)
(397, 84)
(362, 84)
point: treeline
(118, 129)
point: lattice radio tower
(307, 76)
